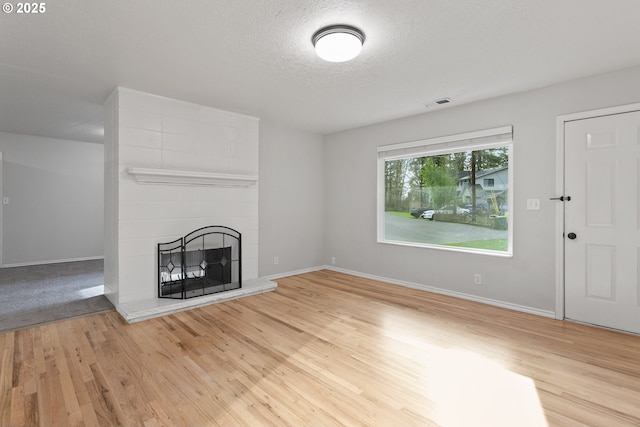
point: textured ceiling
(256, 57)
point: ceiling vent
(434, 103)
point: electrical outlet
(477, 279)
(333, 260)
(533, 204)
(276, 260)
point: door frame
(560, 171)
(1, 206)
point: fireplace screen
(203, 262)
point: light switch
(5, 200)
(533, 204)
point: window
(448, 193)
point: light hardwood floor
(325, 349)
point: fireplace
(205, 261)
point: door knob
(572, 236)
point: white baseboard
(294, 273)
(489, 301)
(56, 261)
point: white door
(602, 221)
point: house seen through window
(453, 195)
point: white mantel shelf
(185, 177)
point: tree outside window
(459, 199)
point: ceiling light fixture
(338, 43)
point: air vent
(441, 101)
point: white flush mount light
(338, 43)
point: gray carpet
(38, 294)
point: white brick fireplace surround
(172, 167)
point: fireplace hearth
(205, 261)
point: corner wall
(55, 191)
(291, 199)
(527, 279)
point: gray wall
(291, 199)
(55, 188)
(318, 195)
(527, 279)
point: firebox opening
(205, 261)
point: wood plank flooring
(325, 349)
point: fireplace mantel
(186, 177)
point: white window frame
(479, 140)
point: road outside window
(451, 198)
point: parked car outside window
(428, 214)
(449, 209)
(481, 207)
(417, 212)
(446, 210)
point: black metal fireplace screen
(205, 261)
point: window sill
(460, 249)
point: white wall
(528, 278)
(111, 198)
(158, 132)
(55, 188)
(291, 199)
